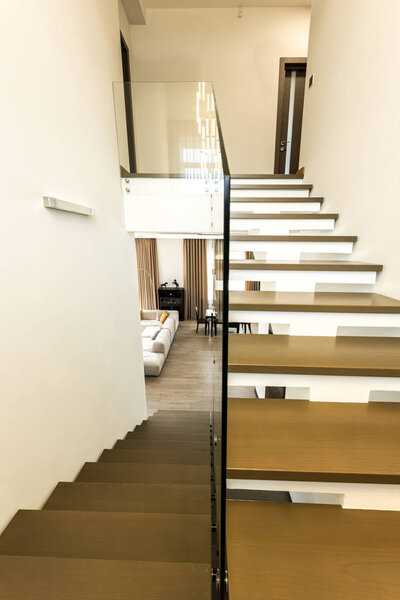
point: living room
(177, 285)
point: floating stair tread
(345, 356)
(183, 413)
(271, 186)
(302, 265)
(49, 578)
(269, 176)
(145, 473)
(313, 441)
(283, 215)
(169, 433)
(131, 497)
(178, 415)
(278, 199)
(167, 424)
(293, 238)
(170, 457)
(142, 444)
(109, 535)
(313, 302)
(312, 552)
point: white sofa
(157, 338)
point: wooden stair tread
(346, 356)
(285, 215)
(292, 238)
(313, 441)
(271, 186)
(313, 302)
(183, 413)
(109, 535)
(143, 444)
(173, 425)
(268, 176)
(170, 457)
(302, 265)
(169, 433)
(276, 199)
(49, 578)
(130, 497)
(179, 416)
(145, 473)
(312, 552)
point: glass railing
(175, 129)
(176, 183)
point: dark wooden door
(290, 114)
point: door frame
(283, 63)
(130, 132)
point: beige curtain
(251, 286)
(195, 277)
(147, 266)
(219, 274)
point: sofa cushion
(151, 315)
(153, 363)
(147, 344)
(162, 343)
(151, 332)
(174, 315)
(169, 325)
(150, 323)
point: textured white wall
(240, 56)
(170, 260)
(71, 369)
(351, 128)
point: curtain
(147, 266)
(195, 277)
(219, 275)
(251, 286)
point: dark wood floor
(189, 380)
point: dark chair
(200, 321)
(234, 325)
(246, 325)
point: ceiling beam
(135, 11)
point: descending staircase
(333, 441)
(136, 524)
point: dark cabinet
(172, 298)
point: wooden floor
(186, 381)
(188, 378)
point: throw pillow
(164, 317)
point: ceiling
(135, 9)
(222, 3)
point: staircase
(333, 441)
(135, 524)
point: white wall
(351, 132)
(71, 370)
(170, 260)
(240, 56)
